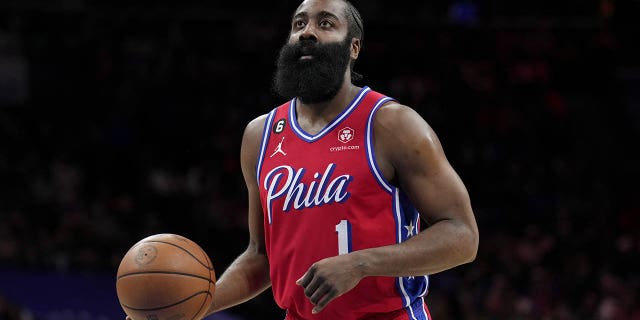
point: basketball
(165, 277)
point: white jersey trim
(293, 119)
(266, 131)
(371, 157)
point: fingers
(316, 288)
(331, 294)
(311, 282)
(321, 284)
(313, 286)
(306, 278)
(320, 294)
(315, 295)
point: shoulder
(251, 140)
(397, 121)
(255, 127)
(404, 139)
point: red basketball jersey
(324, 195)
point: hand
(128, 318)
(330, 278)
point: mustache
(306, 47)
(300, 48)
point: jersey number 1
(343, 229)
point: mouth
(306, 53)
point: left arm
(409, 152)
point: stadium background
(123, 119)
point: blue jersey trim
(266, 131)
(397, 216)
(373, 164)
(406, 218)
(293, 118)
(416, 310)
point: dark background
(122, 119)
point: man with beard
(338, 180)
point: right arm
(248, 275)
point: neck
(328, 110)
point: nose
(308, 33)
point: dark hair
(356, 30)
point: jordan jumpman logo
(279, 149)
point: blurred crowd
(118, 121)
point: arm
(410, 152)
(248, 275)
(407, 151)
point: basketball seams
(165, 272)
(210, 265)
(185, 279)
(202, 304)
(170, 305)
(183, 249)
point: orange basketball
(165, 277)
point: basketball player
(339, 179)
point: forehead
(311, 7)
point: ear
(355, 48)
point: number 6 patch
(279, 126)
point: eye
(326, 24)
(299, 24)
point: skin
(408, 153)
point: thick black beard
(315, 80)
